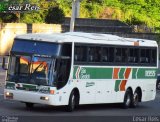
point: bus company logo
(6, 7)
(81, 73)
(150, 73)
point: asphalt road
(10, 108)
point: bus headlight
(44, 98)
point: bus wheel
(135, 99)
(72, 102)
(127, 99)
(29, 105)
(158, 85)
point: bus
(75, 68)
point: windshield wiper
(37, 67)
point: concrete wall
(95, 22)
(9, 30)
(97, 25)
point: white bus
(76, 68)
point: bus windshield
(31, 70)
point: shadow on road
(83, 108)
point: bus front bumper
(31, 97)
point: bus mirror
(4, 66)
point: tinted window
(35, 47)
(121, 54)
(80, 54)
(153, 56)
(111, 54)
(143, 56)
(66, 50)
(133, 55)
(94, 54)
(115, 55)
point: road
(7, 107)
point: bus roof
(93, 38)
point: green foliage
(33, 17)
(8, 17)
(55, 15)
(133, 12)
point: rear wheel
(135, 99)
(72, 102)
(127, 99)
(29, 105)
(158, 85)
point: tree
(8, 17)
(55, 15)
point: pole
(73, 16)
(77, 8)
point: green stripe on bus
(121, 73)
(106, 73)
(146, 73)
(93, 73)
(117, 83)
(134, 71)
(100, 73)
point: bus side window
(118, 55)
(136, 55)
(144, 57)
(105, 54)
(80, 54)
(90, 54)
(124, 55)
(63, 72)
(111, 54)
(153, 56)
(133, 56)
(148, 56)
(94, 54)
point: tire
(72, 102)
(158, 85)
(135, 99)
(127, 99)
(29, 105)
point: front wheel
(72, 102)
(127, 99)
